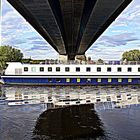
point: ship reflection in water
(69, 123)
(113, 97)
(66, 113)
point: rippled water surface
(34, 113)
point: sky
(122, 35)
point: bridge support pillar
(63, 58)
(71, 57)
(81, 59)
(66, 58)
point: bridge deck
(70, 27)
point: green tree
(26, 60)
(132, 55)
(9, 54)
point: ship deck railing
(75, 62)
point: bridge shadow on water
(69, 123)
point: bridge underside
(70, 26)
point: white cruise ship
(72, 74)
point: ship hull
(71, 80)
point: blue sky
(123, 34)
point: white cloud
(107, 53)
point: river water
(27, 113)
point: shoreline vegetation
(11, 54)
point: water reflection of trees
(68, 123)
(2, 93)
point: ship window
(88, 69)
(109, 69)
(98, 69)
(77, 69)
(18, 71)
(50, 80)
(138, 69)
(78, 80)
(58, 80)
(129, 69)
(99, 80)
(109, 80)
(25, 68)
(41, 68)
(119, 80)
(33, 69)
(88, 80)
(129, 80)
(49, 68)
(119, 69)
(57, 68)
(67, 80)
(67, 69)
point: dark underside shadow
(68, 123)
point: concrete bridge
(70, 26)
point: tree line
(11, 54)
(132, 55)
